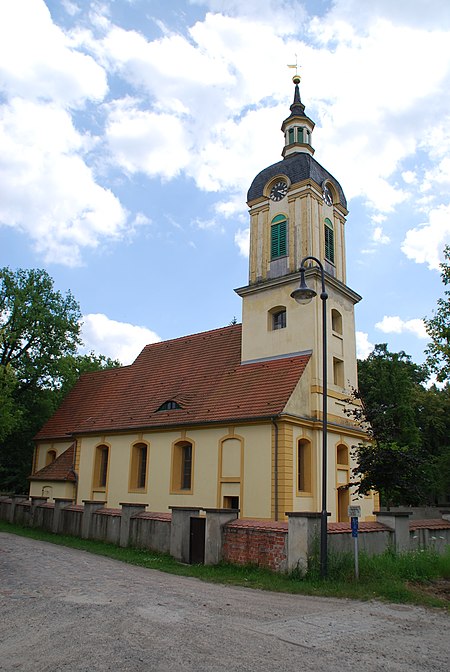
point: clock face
(278, 191)
(327, 197)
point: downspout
(275, 468)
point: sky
(131, 130)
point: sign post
(354, 512)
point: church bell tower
(298, 209)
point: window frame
(101, 467)
(139, 463)
(329, 243)
(182, 468)
(50, 456)
(304, 466)
(278, 237)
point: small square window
(279, 320)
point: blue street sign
(354, 522)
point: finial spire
(296, 68)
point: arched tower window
(329, 240)
(304, 479)
(336, 321)
(278, 237)
(277, 318)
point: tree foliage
(438, 328)
(409, 429)
(39, 338)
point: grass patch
(404, 578)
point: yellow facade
(273, 465)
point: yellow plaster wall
(313, 501)
(52, 489)
(254, 479)
(306, 212)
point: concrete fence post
(90, 507)
(60, 503)
(180, 531)
(215, 521)
(128, 510)
(398, 522)
(15, 499)
(303, 538)
(35, 504)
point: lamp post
(303, 295)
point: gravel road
(63, 609)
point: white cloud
(118, 340)
(37, 60)
(425, 243)
(242, 240)
(363, 346)
(395, 325)
(409, 176)
(379, 237)
(140, 140)
(46, 189)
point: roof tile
(60, 469)
(202, 373)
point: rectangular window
(291, 136)
(278, 246)
(329, 244)
(186, 467)
(142, 467)
(338, 372)
(304, 466)
(101, 466)
(299, 134)
(279, 320)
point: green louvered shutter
(278, 237)
(329, 241)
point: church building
(232, 418)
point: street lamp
(303, 294)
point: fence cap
(221, 510)
(304, 514)
(135, 504)
(394, 514)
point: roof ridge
(189, 336)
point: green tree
(39, 338)
(438, 328)
(393, 462)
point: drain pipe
(275, 467)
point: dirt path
(63, 609)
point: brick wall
(253, 542)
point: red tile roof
(202, 373)
(430, 524)
(60, 469)
(363, 526)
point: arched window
(182, 466)
(50, 457)
(101, 466)
(304, 479)
(169, 405)
(139, 462)
(329, 240)
(277, 318)
(336, 321)
(342, 454)
(278, 237)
